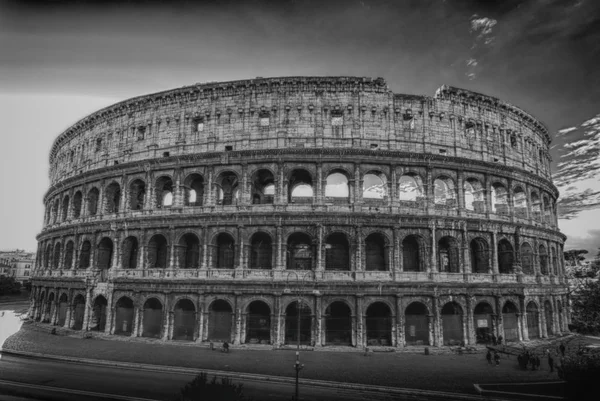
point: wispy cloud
(481, 27)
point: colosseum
(303, 211)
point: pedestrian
(225, 347)
(494, 339)
(488, 356)
(551, 362)
(562, 349)
(499, 340)
(496, 358)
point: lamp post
(298, 366)
(299, 284)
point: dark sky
(541, 55)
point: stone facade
(320, 211)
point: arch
(258, 323)
(375, 252)
(443, 191)
(225, 251)
(482, 321)
(63, 306)
(536, 206)
(105, 252)
(112, 195)
(227, 188)
(152, 318)
(300, 188)
(452, 324)
(336, 185)
(543, 260)
(78, 311)
(130, 253)
(448, 257)
(85, 254)
(92, 201)
(124, 316)
(510, 322)
(505, 257)
(548, 315)
(158, 252)
(65, 208)
(98, 322)
(189, 251)
(220, 319)
(300, 252)
(559, 311)
(527, 258)
(379, 324)
(68, 263)
(520, 203)
(374, 185)
(184, 320)
(55, 217)
(410, 187)
(298, 323)
(263, 187)
(48, 256)
(193, 190)
(416, 326)
(137, 194)
(480, 256)
(337, 252)
(411, 254)
(548, 213)
(474, 195)
(48, 308)
(499, 199)
(163, 191)
(56, 256)
(338, 324)
(77, 202)
(261, 251)
(553, 261)
(533, 328)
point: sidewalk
(442, 372)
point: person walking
(562, 349)
(550, 362)
(496, 358)
(488, 356)
(226, 347)
(499, 340)
(494, 339)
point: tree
(584, 292)
(202, 389)
(8, 286)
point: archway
(261, 252)
(510, 322)
(300, 252)
(338, 324)
(184, 324)
(124, 316)
(193, 190)
(63, 305)
(410, 187)
(379, 324)
(411, 258)
(416, 326)
(448, 255)
(499, 199)
(336, 186)
(482, 320)
(337, 252)
(527, 258)
(480, 259)
(137, 193)
(452, 324)
(375, 256)
(220, 321)
(48, 308)
(189, 251)
(84, 257)
(227, 189)
(78, 312)
(225, 251)
(505, 257)
(474, 195)
(543, 260)
(130, 253)
(77, 201)
(258, 323)
(92, 201)
(374, 185)
(164, 192)
(548, 315)
(68, 263)
(152, 318)
(300, 188)
(263, 187)
(157, 252)
(112, 196)
(298, 324)
(105, 251)
(533, 327)
(98, 322)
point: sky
(61, 60)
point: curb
(261, 378)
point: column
(493, 252)
(320, 266)
(361, 338)
(358, 181)
(136, 319)
(149, 195)
(319, 189)
(238, 320)
(319, 340)
(87, 311)
(67, 324)
(178, 190)
(278, 320)
(171, 248)
(434, 325)
(469, 337)
(396, 264)
(433, 268)
(542, 321)
(205, 247)
(399, 326)
(429, 198)
(241, 262)
(520, 326)
(166, 318)
(359, 262)
(279, 251)
(460, 189)
(245, 197)
(109, 314)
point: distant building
(17, 264)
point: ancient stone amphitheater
(320, 211)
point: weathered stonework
(206, 213)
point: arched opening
(298, 324)
(105, 251)
(499, 199)
(411, 258)
(225, 252)
(189, 251)
(536, 207)
(219, 321)
(130, 253)
(375, 255)
(410, 186)
(300, 252)
(416, 326)
(92, 201)
(452, 324)
(193, 188)
(553, 263)
(548, 317)
(480, 256)
(527, 258)
(510, 323)
(63, 305)
(56, 257)
(258, 323)
(98, 322)
(184, 324)
(379, 324)
(338, 324)
(152, 318)
(137, 193)
(68, 255)
(448, 255)
(157, 252)
(337, 252)
(263, 187)
(482, 320)
(84, 257)
(48, 256)
(164, 192)
(65, 208)
(374, 186)
(505, 257)
(78, 312)
(443, 191)
(547, 210)
(533, 322)
(77, 201)
(543, 260)
(124, 317)
(261, 251)
(48, 308)
(55, 218)
(300, 188)
(113, 198)
(559, 311)
(336, 186)
(474, 195)
(228, 192)
(520, 201)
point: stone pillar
(87, 311)
(319, 190)
(241, 262)
(434, 325)
(465, 254)
(400, 339)
(319, 340)
(494, 252)
(357, 184)
(277, 322)
(279, 263)
(109, 329)
(136, 320)
(281, 194)
(67, 324)
(361, 335)
(238, 320)
(171, 248)
(320, 265)
(542, 321)
(166, 318)
(433, 268)
(429, 192)
(245, 197)
(398, 261)
(470, 337)
(359, 244)
(460, 189)
(205, 247)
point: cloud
(565, 131)
(481, 27)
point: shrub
(201, 389)
(581, 373)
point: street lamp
(298, 366)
